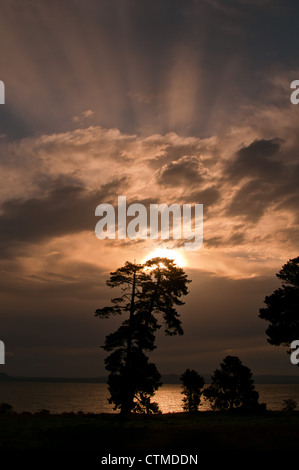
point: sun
(178, 258)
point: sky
(173, 101)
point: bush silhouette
(290, 405)
(5, 408)
(232, 387)
(192, 389)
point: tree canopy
(282, 307)
(232, 387)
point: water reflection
(169, 398)
(93, 397)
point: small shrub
(192, 389)
(289, 405)
(5, 408)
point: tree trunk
(129, 395)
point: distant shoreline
(167, 379)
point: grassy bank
(169, 433)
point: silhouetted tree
(282, 307)
(5, 408)
(232, 387)
(121, 362)
(289, 405)
(192, 389)
(146, 291)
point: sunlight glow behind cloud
(175, 255)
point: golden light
(178, 258)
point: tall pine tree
(146, 292)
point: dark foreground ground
(212, 436)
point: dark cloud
(256, 160)
(289, 193)
(251, 201)
(208, 197)
(180, 173)
(78, 280)
(272, 183)
(64, 209)
(213, 241)
(261, 168)
(12, 126)
(237, 238)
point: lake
(92, 397)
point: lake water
(92, 397)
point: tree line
(232, 388)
